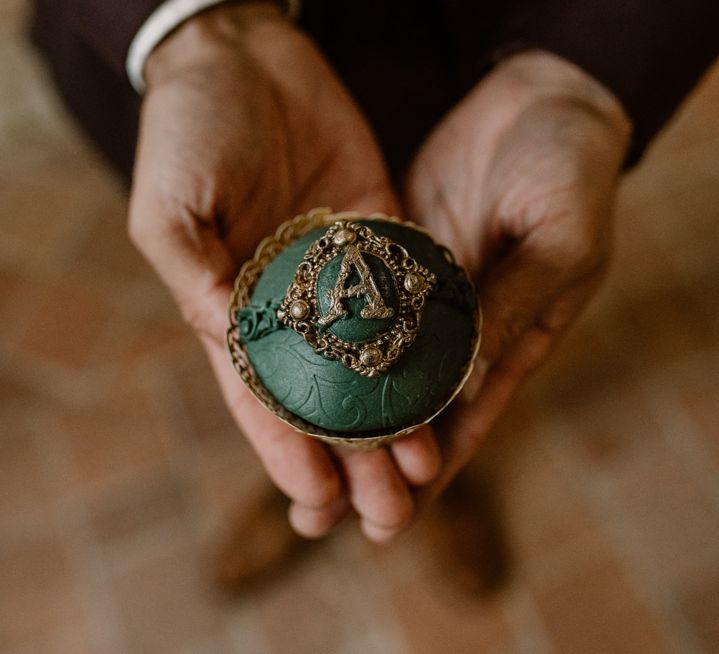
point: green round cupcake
(353, 329)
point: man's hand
(519, 182)
(244, 125)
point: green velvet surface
(327, 394)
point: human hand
(244, 126)
(518, 181)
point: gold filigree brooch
(351, 262)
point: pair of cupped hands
(245, 125)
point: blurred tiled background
(119, 467)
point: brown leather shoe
(260, 546)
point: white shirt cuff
(167, 17)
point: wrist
(209, 37)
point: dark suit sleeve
(85, 43)
(109, 25)
(650, 53)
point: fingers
(490, 389)
(189, 258)
(414, 461)
(377, 491)
(197, 269)
(299, 465)
(470, 421)
(543, 268)
(417, 456)
(315, 523)
(174, 204)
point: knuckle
(579, 251)
(589, 260)
(516, 321)
(159, 216)
(588, 253)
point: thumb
(189, 257)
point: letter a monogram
(375, 307)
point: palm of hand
(267, 134)
(227, 152)
(520, 187)
(244, 137)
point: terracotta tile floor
(116, 475)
